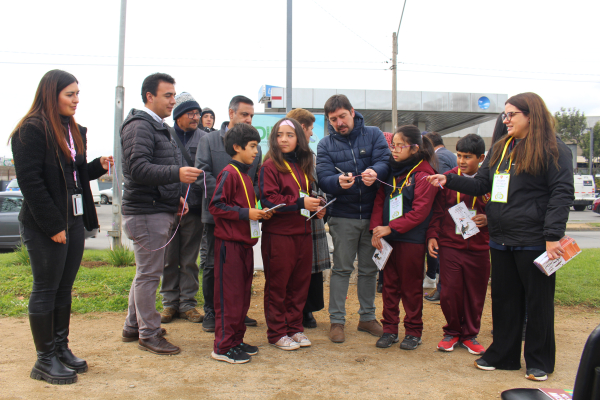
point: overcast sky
(218, 49)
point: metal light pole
(115, 232)
(394, 82)
(591, 151)
(288, 63)
(395, 73)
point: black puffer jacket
(538, 206)
(150, 166)
(39, 164)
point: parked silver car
(10, 206)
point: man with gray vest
(212, 158)
(180, 277)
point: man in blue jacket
(361, 153)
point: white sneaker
(428, 283)
(286, 343)
(301, 339)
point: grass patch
(99, 289)
(121, 256)
(594, 224)
(22, 255)
(578, 281)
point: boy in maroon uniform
(464, 263)
(236, 231)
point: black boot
(48, 367)
(308, 320)
(62, 318)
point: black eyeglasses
(508, 116)
(193, 114)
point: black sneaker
(387, 340)
(233, 356)
(482, 364)
(535, 374)
(433, 297)
(208, 324)
(410, 342)
(250, 322)
(249, 349)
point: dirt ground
(354, 369)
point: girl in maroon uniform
(401, 215)
(286, 245)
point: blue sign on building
(483, 103)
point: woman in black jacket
(49, 151)
(530, 177)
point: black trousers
(314, 301)
(54, 265)
(518, 285)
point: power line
(387, 57)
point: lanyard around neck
(245, 190)
(502, 158)
(294, 176)
(458, 195)
(73, 155)
(405, 180)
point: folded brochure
(462, 218)
(548, 267)
(381, 256)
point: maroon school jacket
(229, 205)
(281, 188)
(418, 198)
(442, 225)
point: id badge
(396, 209)
(254, 229)
(77, 205)
(304, 212)
(473, 213)
(500, 188)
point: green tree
(570, 125)
(585, 143)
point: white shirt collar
(153, 115)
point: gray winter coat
(212, 158)
(150, 166)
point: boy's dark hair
(436, 139)
(240, 134)
(234, 104)
(472, 143)
(151, 82)
(336, 102)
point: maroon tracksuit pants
(404, 281)
(234, 266)
(465, 275)
(287, 262)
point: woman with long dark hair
(286, 245)
(530, 176)
(401, 214)
(49, 150)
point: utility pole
(395, 73)
(288, 63)
(591, 151)
(394, 82)
(116, 231)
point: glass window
(10, 204)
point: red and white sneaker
(473, 346)
(447, 343)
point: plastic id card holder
(77, 205)
(473, 213)
(304, 212)
(254, 229)
(500, 188)
(396, 209)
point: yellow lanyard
(458, 195)
(502, 158)
(294, 176)
(406, 180)
(245, 190)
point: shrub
(121, 256)
(22, 255)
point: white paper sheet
(462, 218)
(381, 256)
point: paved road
(101, 241)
